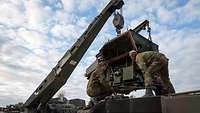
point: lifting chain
(149, 31)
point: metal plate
(163, 104)
(137, 105)
(181, 104)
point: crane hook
(118, 21)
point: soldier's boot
(148, 92)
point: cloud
(61, 31)
(182, 47)
(17, 82)
(32, 39)
(190, 12)
(11, 13)
(69, 5)
(34, 35)
(166, 16)
(85, 5)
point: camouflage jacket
(98, 85)
(144, 59)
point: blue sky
(35, 34)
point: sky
(35, 34)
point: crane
(62, 71)
(143, 26)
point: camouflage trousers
(158, 67)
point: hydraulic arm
(62, 71)
(143, 26)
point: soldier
(98, 87)
(153, 64)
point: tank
(55, 105)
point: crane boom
(62, 71)
(141, 26)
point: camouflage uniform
(98, 86)
(154, 64)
